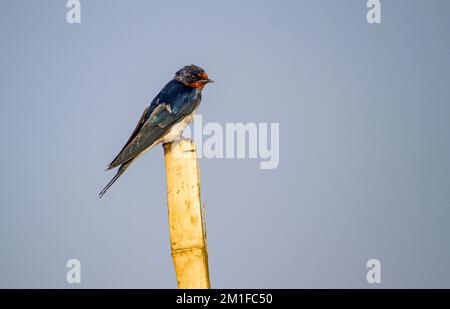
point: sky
(364, 154)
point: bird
(164, 119)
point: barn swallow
(164, 119)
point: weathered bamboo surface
(186, 220)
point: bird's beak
(205, 81)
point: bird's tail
(119, 173)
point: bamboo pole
(186, 220)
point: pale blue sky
(364, 141)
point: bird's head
(193, 76)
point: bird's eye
(193, 76)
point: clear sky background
(364, 142)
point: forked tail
(119, 173)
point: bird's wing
(139, 125)
(148, 131)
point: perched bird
(164, 120)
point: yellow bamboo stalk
(186, 221)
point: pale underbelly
(173, 134)
(176, 131)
